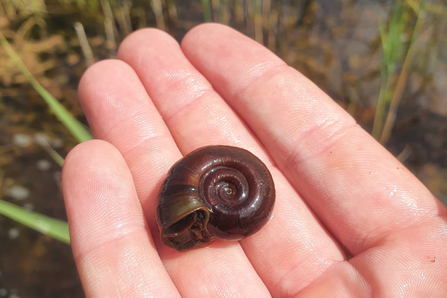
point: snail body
(216, 192)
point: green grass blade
(393, 55)
(54, 228)
(74, 126)
(206, 10)
(45, 145)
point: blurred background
(385, 62)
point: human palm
(338, 191)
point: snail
(215, 192)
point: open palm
(338, 191)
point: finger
(300, 248)
(358, 190)
(119, 110)
(110, 241)
(405, 264)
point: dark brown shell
(216, 192)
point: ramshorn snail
(216, 192)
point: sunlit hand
(338, 191)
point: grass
(399, 51)
(74, 126)
(54, 228)
(206, 7)
(394, 51)
(41, 140)
(49, 226)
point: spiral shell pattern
(217, 192)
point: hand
(338, 191)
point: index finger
(341, 172)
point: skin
(339, 192)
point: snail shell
(216, 192)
